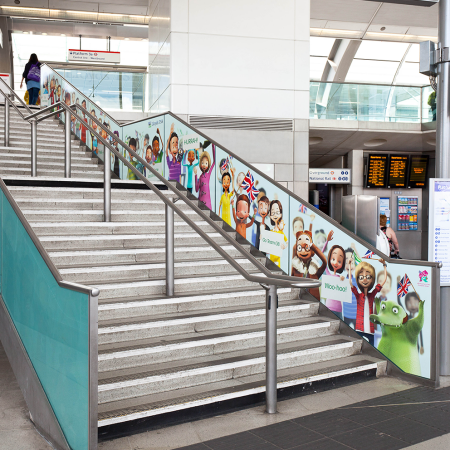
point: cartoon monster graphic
(399, 335)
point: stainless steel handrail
(11, 91)
(287, 280)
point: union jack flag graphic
(225, 164)
(249, 186)
(369, 255)
(302, 208)
(403, 286)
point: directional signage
(94, 56)
(330, 176)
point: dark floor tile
(239, 441)
(366, 416)
(445, 406)
(323, 444)
(369, 439)
(407, 430)
(433, 417)
(328, 423)
(427, 395)
(287, 434)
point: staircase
(16, 159)
(160, 354)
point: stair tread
(141, 372)
(124, 410)
(106, 351)
(199, 314)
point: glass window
(409, 75)
(372, 71)
(413, 54)
(317, 64)
(384, 51)
(321, 46)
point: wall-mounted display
(439, 226)
(377, 171)
(407, 209)
(418, 168)
(398, 171)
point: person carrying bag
(32, 77)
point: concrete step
(42, 138)
(147, 271)
(123, 309)
(66, 193)
(44, 144)
(134, 329)
(16, 126)
(14, 152)
(110, 228)
(246, 339)
(117, 205)
(8, 162)
(96, 215)
(182, 285)
(182, 253)
(183, 399)
(123, 241)
(42, 172)
(197, 373)
(14, 158)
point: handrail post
(170, 252)
(271, 349)
(107, 185)
(67, 150)
(34, 148)
(6, 130)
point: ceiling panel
(72, 5)
(413, 16)
(344, 10)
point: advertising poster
(191, 160)
(252, 205)
(146, 138)
(398, 296)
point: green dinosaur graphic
(399, 335)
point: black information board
(418, 167)
(398, 171)
(377, 171)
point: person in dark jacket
(32, 79)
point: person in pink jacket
(202, 183)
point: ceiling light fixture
(44, 34)
(315, 140)
(375, 142)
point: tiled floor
(389, 422)
(389, 415)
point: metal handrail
(18, 98)
(283, 280)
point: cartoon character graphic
(173, 163)
(193, 161)
(202, 183)
(225, 199)
(303, 265)
(365, 279)
(263, 211)
(241, 213)
(276, 220)
(156, 152)
(134, 162)
(335, 267)
(399, 334)
(412, 304)
(349, 309)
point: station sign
(330, 176)
(98, 56)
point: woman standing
(32, 77)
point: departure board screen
(377, 173)
(398, 166)
(418, 171)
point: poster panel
(251, 204)
(190, 159)
(146, 138)
(390, 304)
